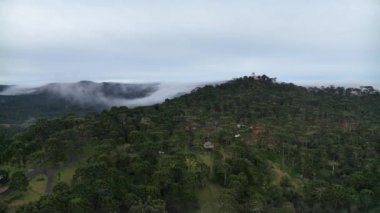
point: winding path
(50, 173)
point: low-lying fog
(108, 94)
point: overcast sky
(302, 41)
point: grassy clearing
(278, 174)
(67, 171)
(38, 184)
(36, 190)
(65, 174)
(27, 197)
(208, 198)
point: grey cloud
(187, 41)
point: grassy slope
(35, 191)
(208, 198)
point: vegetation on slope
(277, 148)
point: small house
(208, 145)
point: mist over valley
(20, 103)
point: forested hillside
(248, 145)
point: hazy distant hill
(20, 104)
(3, 87)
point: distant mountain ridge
(115, 90)
(18, 104)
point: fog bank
(107, 94)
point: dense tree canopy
(277, 147)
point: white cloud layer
(94, 93)
(170, 40)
